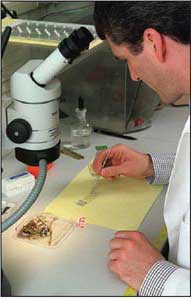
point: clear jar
(80, 135)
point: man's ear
(154, 39)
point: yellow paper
(120, 204)
(161, 238)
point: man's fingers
(112, 171)
(122, 239)
(113, 266)
(114, 254)
(124, 234)
(98, 161)
(111, 178)
(131, 235)
(118, 243)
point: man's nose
(133, 75)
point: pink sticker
(138, 121)
(81, 222)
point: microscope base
(32, 158)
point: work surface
(79, 267)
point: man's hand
(131, 256)
(125, 161)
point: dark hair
(126, 21)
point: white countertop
(80, 266)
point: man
(153, 38)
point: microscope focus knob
(19, 130)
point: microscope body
(33, 116)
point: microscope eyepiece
(78, 41)
(65, 53)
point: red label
(81, 222)
(138, 122)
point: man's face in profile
(147, 67)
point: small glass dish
(45, 230)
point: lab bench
(79, 266)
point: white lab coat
(177, 219)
